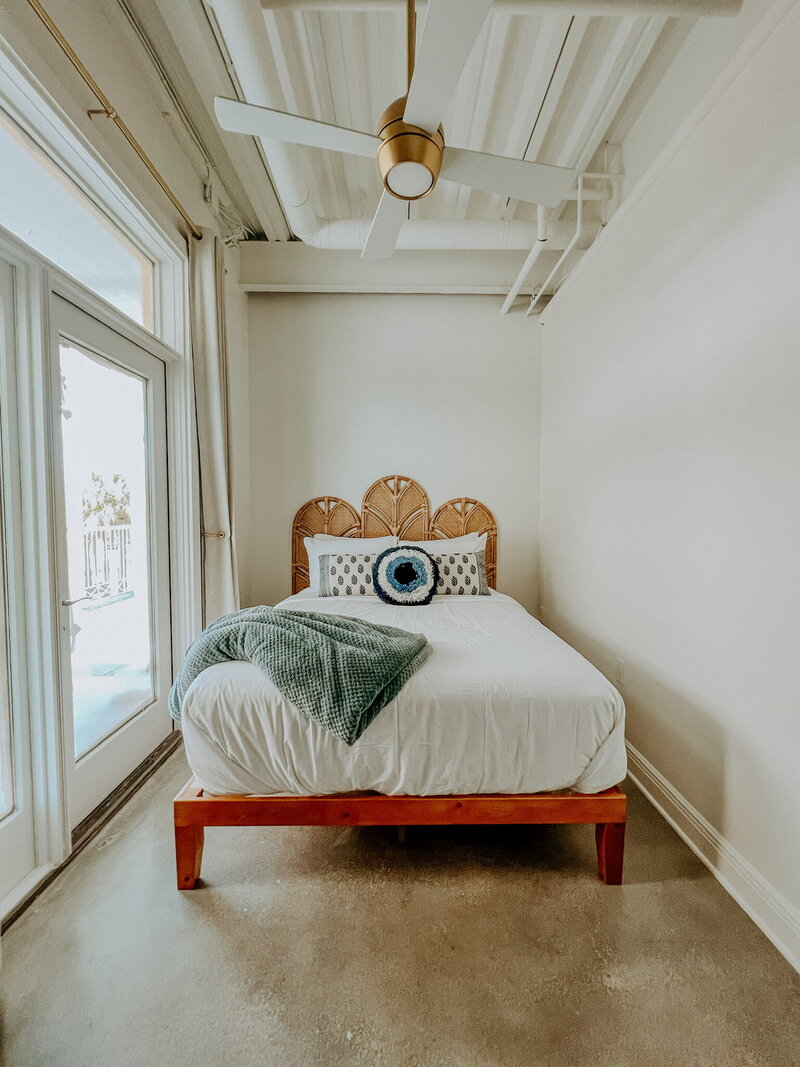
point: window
(44, 208)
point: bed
(505, 723)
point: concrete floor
(314, 947)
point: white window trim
(32, 585)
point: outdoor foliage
(106, 505)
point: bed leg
(401, 835)
(610, 839)
(189, 854)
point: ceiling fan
(410, 145)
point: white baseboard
(772, 913)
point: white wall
(345, 389)
(671, 476)
(688, 59)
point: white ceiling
(542, 84)
(542, 87)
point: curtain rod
(110, 111)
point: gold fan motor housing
(401, 143)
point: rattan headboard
(392, 505)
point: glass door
(17, 831)
(114, 563)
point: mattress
(502, 705)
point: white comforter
(502, 706)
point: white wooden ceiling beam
(285, 61)
(356, 79)
(555, 90)
(266, 266)
(600, 105)
(541, 69)
(489, 85)
(632, 43)
(316, 80)
(650, 8)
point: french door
(113, 578)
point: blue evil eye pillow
(406, 575)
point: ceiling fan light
(409, 180)
(409, 163)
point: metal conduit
(562, 258)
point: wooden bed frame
(395, 505)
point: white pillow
(471, 542)
(324, 544)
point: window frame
(30, 587)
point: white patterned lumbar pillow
(341, 574)
(326, 544)
(461, 574)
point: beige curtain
(210, 363)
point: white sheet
(502, 706)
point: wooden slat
(380, 810)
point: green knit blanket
(337, 670)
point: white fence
(106, 553)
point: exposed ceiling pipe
(460, 234)
(536, 297)
(541, 245)
(651, 8)
(544, 227)
(597, 127)
(243, 29)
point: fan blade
(385, 228)
(237, 117)
(537, 183)
(450, 31)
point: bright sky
(42, 207)
(104, 434)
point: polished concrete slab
(315, 947)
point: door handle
(69, 603)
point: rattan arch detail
(323, 514)
(396, 505)
(392, 505)
(464, 515)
